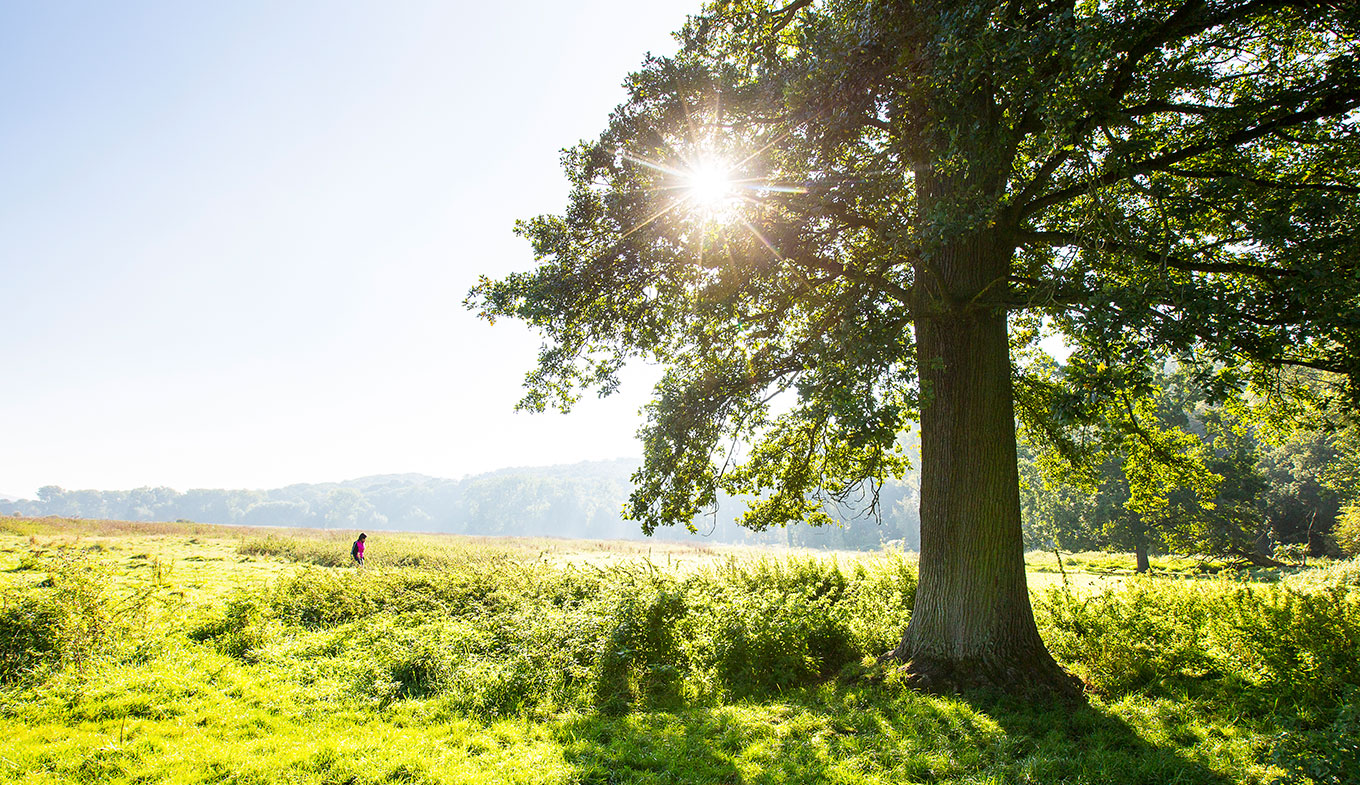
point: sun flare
(711, 186)
(705, 188)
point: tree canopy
(828, 220)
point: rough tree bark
(972, 624)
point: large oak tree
(830, 219)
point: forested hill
(574, 500)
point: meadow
(134, 652)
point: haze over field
(583, 500)
(235, 241)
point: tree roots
(1037, 677)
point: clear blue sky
(235, 237)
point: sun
(705, 188)
(711, 187)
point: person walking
(357, 550)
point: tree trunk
(1140, 546)
(972, 624)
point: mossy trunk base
(1041, 677)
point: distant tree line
(581, 500)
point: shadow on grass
(872, 734)
(1057, 742)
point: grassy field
(190, 653)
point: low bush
(238, 628)
(1126, 639)
(1282, 655)
(73, 617)
(770, 624)
(1221, 637)
(639, 651)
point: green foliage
(1343, 574)
(28, 636)
(1219, 636)
(1125, 640)
(1326, 753)
(495, 636)
(68, 621)
(237, 629)
(1249, 649)
(1151, 181)
(326, 554)
(499, 669)
(771, 624)
(640, 655)
(1347, 533)
(1284, 651)
(1265, 489)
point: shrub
(28, 635)
(238, 629)
(70, 619)
(768, 625)
(492, 636)
(1126, 639)
(640, 654)
(1243, 645)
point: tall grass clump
(765, 625)
(73, 618)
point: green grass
(191, 654)
(1102, 563)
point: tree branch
(1071, 239)
(1213, 174)
(1182, 23)
(891, 288)
(780, 18)
(1162, 107)
(1316, 365)
(1177, 25)
(1327, 106)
